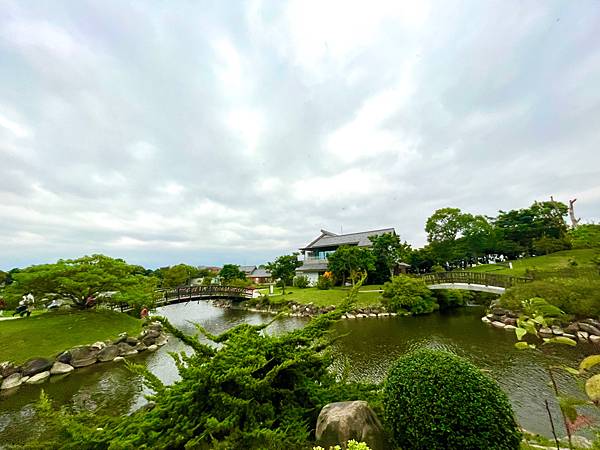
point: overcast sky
(215, 132)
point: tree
(178, 275)
(351, 262)
(409, 294)
(445, 224)
(388, 252)
(82, 279)
(231, 272)
(284, 269)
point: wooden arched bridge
(190, 293)
(472, 281)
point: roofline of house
(328, 233)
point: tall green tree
(178, 275)
(231, 272)
(388, 251)
(80, 280)
(351, 262)
(284, 268)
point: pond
(365, 353)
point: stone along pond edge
(38, 370)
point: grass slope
(551, 262)
(48, 334)
(328, 297)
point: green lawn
(328, 297)
(554, 261)
(46, 335)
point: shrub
(407, 294)
(436, 400)
(585, 236)
(324, 283)
(436, 268)
(452, 298)
(575, 296)
(301, 281)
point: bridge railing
(482, 278)
(210, 291)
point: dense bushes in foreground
(253, 391)
(435, 400)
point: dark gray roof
(319, 266)
(328, 239)
(247, 269)
(262, 273)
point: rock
(122, 338)
(372, 315)
(12, 381)
(162, 340)
(350, 316)
(393, 314)
(36, 365)
(83, 356)
(152, 348)
(594, 339)
(572, 328)
(141, 347)
(342, 421)
(510, 327)
(484, 319)
(570, 336)
(489, 316)
(39, 378)
(132, 341)
(24, 380)
(108, 353)
(7, 368)
(118, 359)
(556, 330)
(591, 329)
(155, 326)
(361, 316)
(498, 324)
(126, 349)
(582, 336)
(60, 368)
(98, 345)
(499, 311)
(581, 442)
(593, 322)
(509, 321)
(545, 332)
(151, 333)
(65, 357)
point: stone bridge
(472, 281)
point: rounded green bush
(436, 400)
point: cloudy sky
(210, 132)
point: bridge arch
(472, 281)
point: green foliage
(350, 445)
(585, 236)
(575, 296)
(436, 400)
(178, 275)
(324, 283)
(452, 298)
(253, 391)
(408, 294)
(437, 269)
(301, 281)
(284, 268)
(231, 272)
(388, 252)
(350, 262)
(546, 245)
(79, 279)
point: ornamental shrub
(436, 400)
(408, 294)
(324, 282)
(301, 281)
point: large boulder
(108, 353)
(36, 365)
(12, 381)
(149, 337)
(83, 356)
(132, 341)
(59, 368)
(39, 377)
(339, 422)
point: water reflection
(365, 353)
